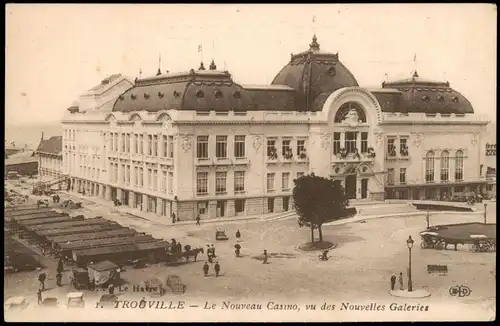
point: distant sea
(30, 134)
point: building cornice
(247, 122)
(444, 123)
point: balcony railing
(353, 157)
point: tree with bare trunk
(318, 200)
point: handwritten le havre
(250, 163)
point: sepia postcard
(250, 162)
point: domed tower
(314, 75)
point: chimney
(42, 136)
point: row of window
(445, 166)
(164, 185)
(350, 142)
(286, 148)
(392, 147)
(220, 182)
(134, 143)
(202, 147)
(69, 134)
(285, 180)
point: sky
(55, 52)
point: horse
(192, 253)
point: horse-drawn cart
(481, 243)
(431, 240)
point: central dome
(314, 75)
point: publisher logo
(460, 291)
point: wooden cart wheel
(474, 248)
(424, 245)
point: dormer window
(455, 99)
(200, 94)
(331, 71)
(440, 98)
(218, 94)
(132, 96)
(425, 98)
(146, 96)
(237, 94)
(176, 94)
(160, 94)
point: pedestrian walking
(265, 257)
(54, 199)
(213, 251)
(238, 236)
(60, 266)
(39, 295)
(217, 269)
(205, 269)
(198, 219)
(59, 279)
(393, 282)
(173, 218)
(401, 287)
(41, 278)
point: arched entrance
(364, 188)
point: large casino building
(198, 142)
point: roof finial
(314, 46)
(212, 65)
(202, 66)
(158, 73)
(415, 74)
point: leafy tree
(318, 200)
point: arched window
(348, 110)
(445, 166)
(459, 165)
(429, 167)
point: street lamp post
(485, 206)
(428, 216)
(409, 243)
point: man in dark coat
(60, 266)
(59, 279)
(213, 251)
(265, 257)
(393, 282)
(205, 269)
(173, 218)
(217, 269)
(238, 236)
(198, 219)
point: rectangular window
(239, 205)
(286, 149)
(239, 146)
(285, 181)
(220, 182)
(402, 176)
(239, 181)
(403, 147)
(124, 141)
(155, 145)
(301, 148)
(221, 146)
(116, 142)
(336, 143)
(141, 177)
(128, 174)
(170, 182)
(136, 176)
(150, 145)
(150, 174)
(141, 144)
(155, 179)
(270, 181)
(112, 142)
(272, 151)
(202, 183)
(128, 143)
(390, 176)
(391, 147)
(124, 174)
(202, 147)
(136, 144)
(459, 189)
(350, 141)
(171, 146)
(165, 146)
(364, 142)
(116, 172)
(164, 182)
